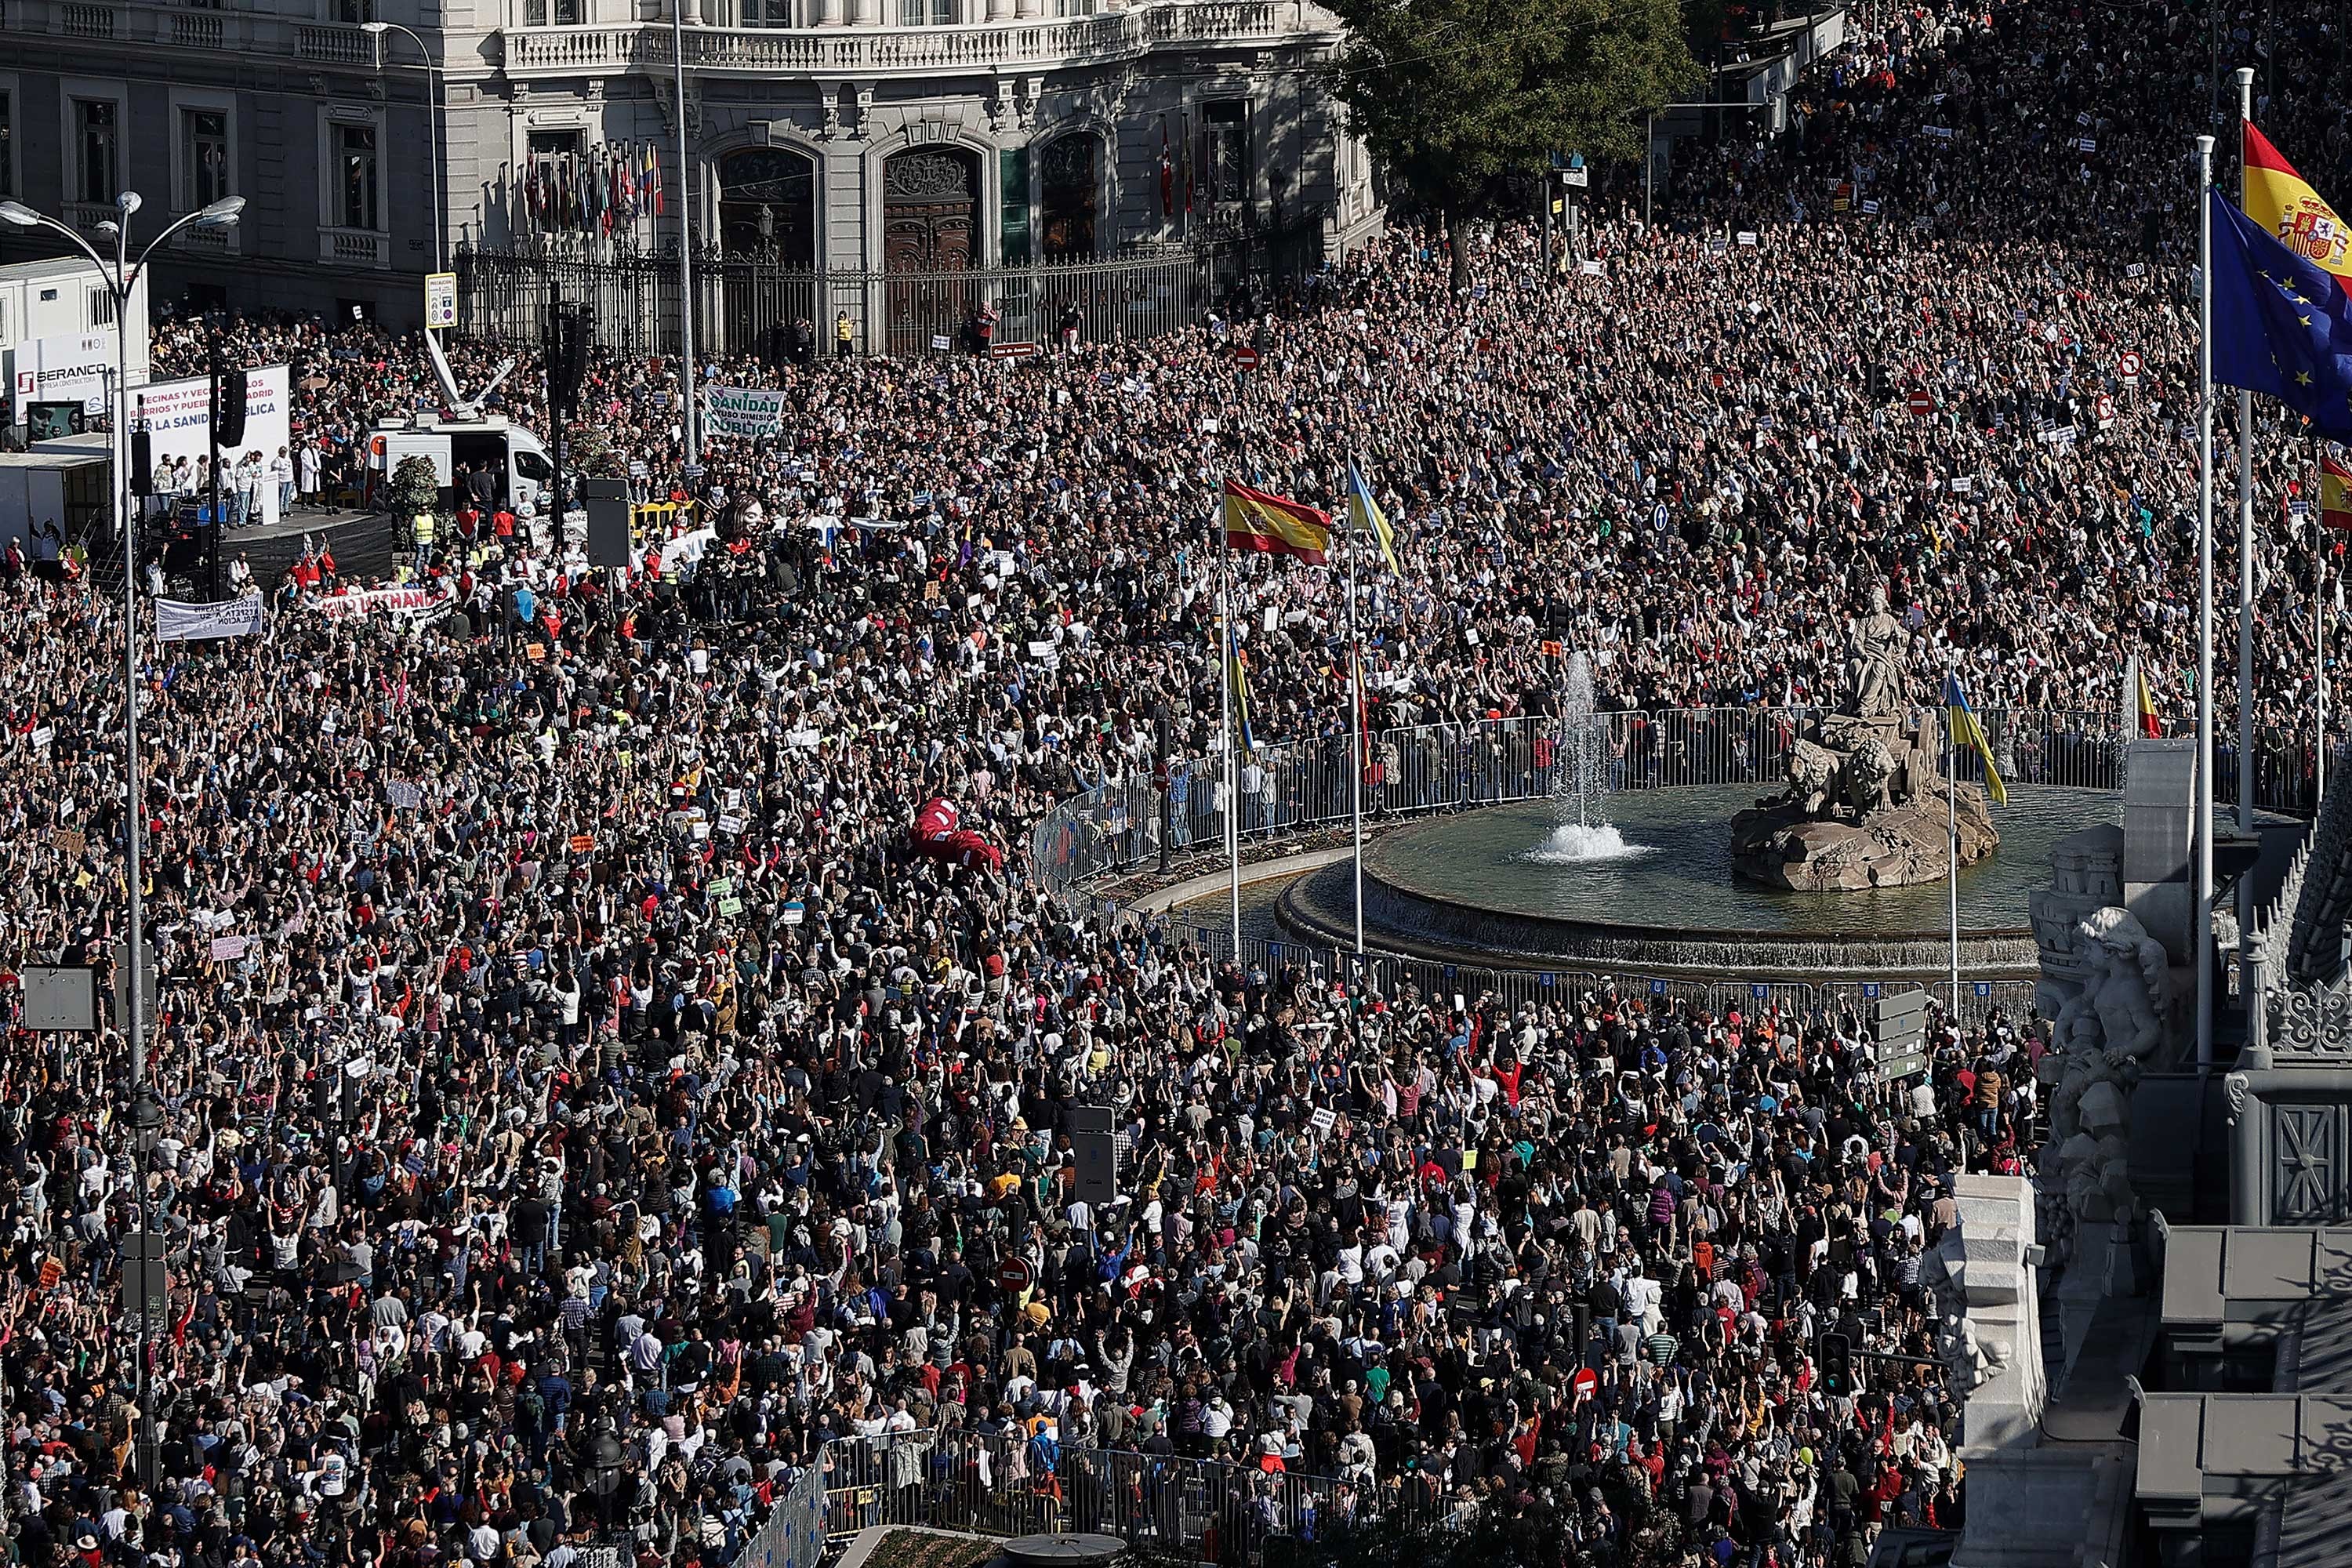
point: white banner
(179, 622)
(178, 412)
(65, 370)
(744, 411)
(403, 602)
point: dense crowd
(580, 1104)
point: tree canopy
(1452, 95)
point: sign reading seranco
(65, 370)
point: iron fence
(998, 1484)
(1289, 788)
(748, 305)
(793, 1533)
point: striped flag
(1274, 525)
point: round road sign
(1586, 1380)
(1246, 357)
(1014, 1275)
(1922, 403)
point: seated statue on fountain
(1866, 803)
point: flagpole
(2201, 931)
(1228, 670)
(2246, 556)
(2319, 623)
(1355, 718)
(1952, 827)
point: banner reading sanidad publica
(178, 412)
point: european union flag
(2281, 324)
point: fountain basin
(1474, 888)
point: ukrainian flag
(1967, 731)
(1237, 677)
(1364, 516)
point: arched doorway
(1070, 196)
(930, 226)
(767, 205)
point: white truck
(514, 456)
(468, 438)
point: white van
(514, 456)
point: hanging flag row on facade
(603, 191)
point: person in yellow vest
(421, 526)
(844, 336)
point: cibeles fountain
(1867, 804)
(1840, 875)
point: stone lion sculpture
(1812, 774)
(1869, 769)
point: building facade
(887, 136)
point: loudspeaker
(228, 414)
(143, 464)
(573, 338)
(608, 522)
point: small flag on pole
(1237, 674)
(1364, 516)
(2143, 704)
(1274, 525)
(1967, 731)
(2334, 493)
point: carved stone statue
(1970, 1360)
(1877, 641)
(2102, 1035)
(1865, 804)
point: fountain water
(1583, 779)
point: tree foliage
(1452, 95)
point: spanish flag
(2288, 208)
(1274, 525)
(1364, 516)
(1967, 731)
(2144, 702)
(2334, 493)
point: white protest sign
(745, 411)
(179, 416)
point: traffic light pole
(212, 522)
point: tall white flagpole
(2201, 932)
(1356, 705)
(1228, 669)
(1952, 832)
(2245, 553)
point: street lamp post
(121, 279)
(432, 132)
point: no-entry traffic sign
(1922, 403)
(1246, 357)
(1014, 1275)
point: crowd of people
(575, 1103)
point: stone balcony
(851, 50)
(182, 27)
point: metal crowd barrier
(793, 1533)
(1284, 789)
(1199, 1509)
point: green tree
(1452, 95)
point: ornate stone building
(833, 135)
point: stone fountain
(1866, 804)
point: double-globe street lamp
(122, 277)
(432, 134)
